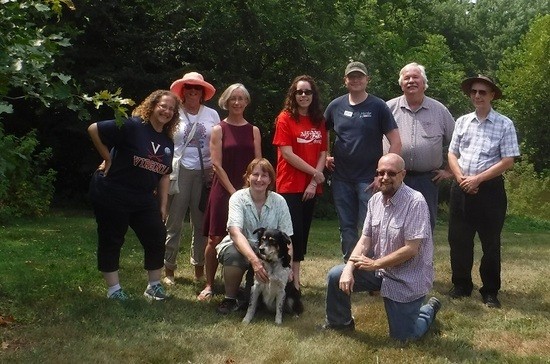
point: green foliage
(113, 100)
(528, 191)
(26, 185)
(28, 51)
(55, 60)
(32, 43)
(499, 24)
(524, 76)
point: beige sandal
(205, 295)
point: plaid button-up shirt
(480, 145)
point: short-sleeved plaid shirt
(480, 145)
(404, 217)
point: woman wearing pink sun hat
(192, 166)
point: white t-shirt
(206, 119)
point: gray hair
(222, 102)
(418, 66)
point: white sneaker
(169, 280)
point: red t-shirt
(307, 142)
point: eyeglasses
(188, 86)
(166, 107)
(473, 92)
(303, 92)
(389, 173)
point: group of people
(385, 161)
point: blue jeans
(350, 201)
(424, 184)
(338, 304)
(407, 321)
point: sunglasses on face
(192, 87)
(303, 92)
(389, 173)
(473, 92)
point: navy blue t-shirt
(360, 129)
(141, 156)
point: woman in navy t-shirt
(130, 189)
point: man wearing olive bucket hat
(192, 167)
(483, 147)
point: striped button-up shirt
(481, 144)
(404, 217)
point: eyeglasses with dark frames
(389, 173)
(474, 91)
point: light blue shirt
(244, 215)
(481, 144)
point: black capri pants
(301, 213)
(114, 213)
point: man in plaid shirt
(483, 147)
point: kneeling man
(397, 228)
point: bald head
(390, 172)
(394, 160)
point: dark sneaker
(119, 295)
(459, 292)
(156, 293)
(347, 327)
(228, 305)
(436, 305)
(491, 300)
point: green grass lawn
(54, 301)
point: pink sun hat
(193, 78)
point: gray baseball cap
(356, 67)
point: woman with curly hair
(301, 141)
(130, 189)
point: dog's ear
(286, 238)
(284, 242)
(259, 232)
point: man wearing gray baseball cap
(359, 120)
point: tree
(524, 78)
(31, 84)
(27, 53)
(499, 25)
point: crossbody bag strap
(200, 159)
(193, 128)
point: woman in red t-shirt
(301, 138)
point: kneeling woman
(255, 206)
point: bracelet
(313, 184)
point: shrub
(528, 191)
(26, 185)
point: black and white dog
(278, 294)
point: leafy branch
(112, 100)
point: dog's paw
(246, 320)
